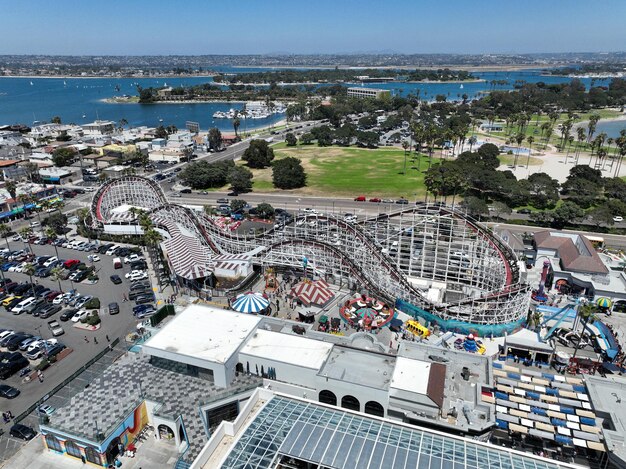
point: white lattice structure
(397, 255)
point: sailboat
(461, 86)
(64, 83)
(31, 83)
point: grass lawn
(350, 172)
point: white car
(136, 275)
(94, 258)
(618, 219)
(132, 258)
(46, 409)
(309, 210)
(50, 261)
(39, 343)
(80, 315)
(111, 250)
(16, 238)
(21, 306)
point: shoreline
(473, 80)
(191, 101)
(77, 77)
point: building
(359, 92)
(576, 267)
(608, 396)
(99, 128)
(277, 430)
(54, 175)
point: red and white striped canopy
(312, 293)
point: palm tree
(25, 234)
(591, 126)
(580, 139)
(519, 138)
(29, 269)
(236, 124)
(587, 313)
(4, 232)
(57, 273)
(405, 146)
(50, 233)
(530, 139)
(11, 188)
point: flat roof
(204, 333)
(287, 348)
(411, 375)
(361, 367)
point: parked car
(55, 350)
(8, 392)
(46, 409)
(49, 310)
(116, 279)
(55, 328)
(12, 366)
(80, 315)
(93, 258)
(136, 275)
(360, 198)
(133, 258)
(22, 432)
(375, 199)
(67, 314)
(134, 294)
(145, 298)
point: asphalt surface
(116, 326)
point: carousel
(366, 312)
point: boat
(461, 86)
(31, 83)
(64, 83)
(84, 115)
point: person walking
(108, 340)
(95, 340)
(86, 339)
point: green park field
(350, 172)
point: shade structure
(312, 293)
(250, 303)
(366, 313)
(603, 302)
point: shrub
(94, 303)
(43, 364)
(94, 318)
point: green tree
(587, 313)
(307, 138)
(237, 204)
(57, 274)
(63, 156)
(55, 120)
(543, 191)
(500, 208)
(203, 175)
(265, 210)
(51, 233)
(160, 132)
(11, 187)
(259, 154)
(29, 269)
(291, 139)
(57, 221)
(5, 231)
(474, 206)
(240, 179)
(215, 139)
(236, 125)
(288, 173)
(567, 212)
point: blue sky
(135, 27)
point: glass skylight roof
(340, 439)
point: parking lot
(85, 344)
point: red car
(52, 295)
(70, 263)
(360, 198)
(375, 199)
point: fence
(23, 415)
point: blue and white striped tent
(250, 303)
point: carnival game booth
(366, 312)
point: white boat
(461, 86)
(31, 83)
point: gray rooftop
(359, 367)
(608, 397)
(110, 398)
(290, 428)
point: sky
(160, 27)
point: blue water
(71, 98)
(611, 128)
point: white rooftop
(203, 333)
(410, 375)
(287, 348)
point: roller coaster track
(358, 253)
